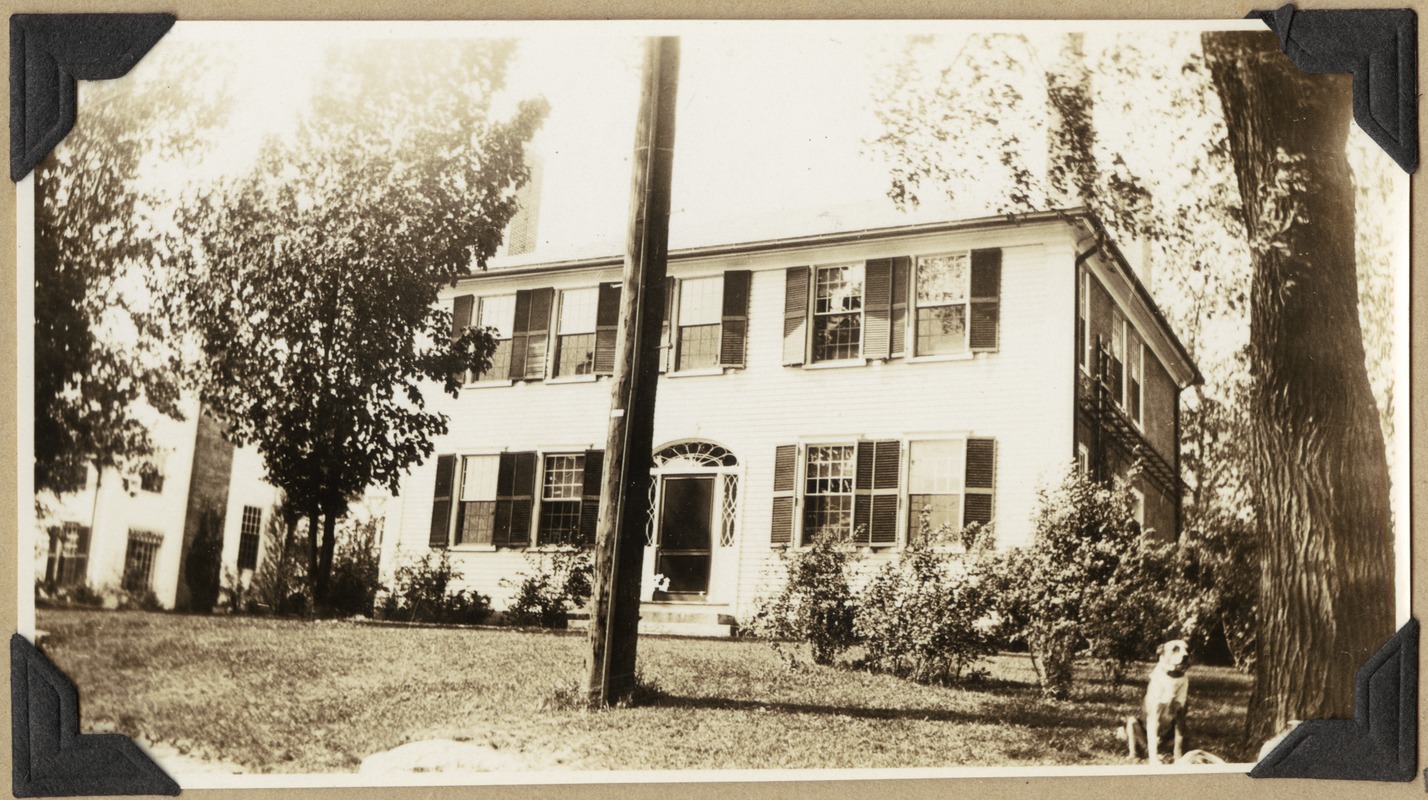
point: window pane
(831, 515)
(837, 336)
(934, 515)
(576, 354)
(936, 467)
(564, 477)
(839, 289)
(478, 477)
(698, 346)
(476, 523)
(701, 301)
(942, 330)
(577, 310)
(942, 279)
(498, 313)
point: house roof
(537, 263)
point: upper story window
(942, 292)
(852, 311)
(701, 302)
(151, 474)
(499, 314)
(711, 322)
(1115, 364)
(1135, 374)
(838, 313)
(575, 338)
(1083, 323)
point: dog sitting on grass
(1166, 695)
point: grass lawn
(279, 695)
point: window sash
(579, 310)
(943, 290)
(837, 312)
(698, 347)
(476, 522)
(575, 354)
(701, 301)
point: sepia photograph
(466, 403)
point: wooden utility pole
(620, 538)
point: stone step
(662, 623)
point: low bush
(422, 592)
(355, 570)
(924, 616)
(559, 583)
(816, 605)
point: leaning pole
(620, 540)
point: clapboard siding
(1020, 396)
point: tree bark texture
(1319, 469)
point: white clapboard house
(863, 382)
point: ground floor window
(68, 560)
(139, 560)
(828, 491)
(935, 478)
(476, 517)
(248, 537)
(560, 499)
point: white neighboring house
(108, 536)
(860, 382)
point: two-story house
(874, 383)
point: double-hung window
(1135, 374)
(936, 474)
(139, 557)
(575, 334)
(828, 491)
(1083, 323)
(838, 312)
(498, 313)
(248, 533)
(701, 303)
(560, 499)
(941, 312)
(1115, 366)
(68, 561)
(476, 514)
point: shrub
(279, 585)
(1090, 581)
(422, 592)
(560, 583)
(355, 569)
(203, 560)
(1226, 569)
(923, 617)
(815, 604)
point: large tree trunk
(1320, 473)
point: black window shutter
(897, 338)
(666, 326)
(515, 485)
(607, 325)
(795, 316)
(784, 483)
(538, 333)
(981, 480)
(590, 495)
(441, 501)
(877, 308)
(519, 335)
(986, 299)
(875, 492)
(733, 333)
(461, 320)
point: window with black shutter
(876, 488)
(700, 311)
(441, 501)
(734, 333)
(986, 287)
(562, 487)
(590, 495)
(607, 326)
(795, 316)
(785, 482)
(498, 314)
(515, 499)
(248, 535)
(461, 310)
(981, 481)
(530, 338)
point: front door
(685, 536)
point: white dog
(1165, 706)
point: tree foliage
(103, 350)
(314, 280)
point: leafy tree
(102, 349)
(1320, 468)
(314, 283)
